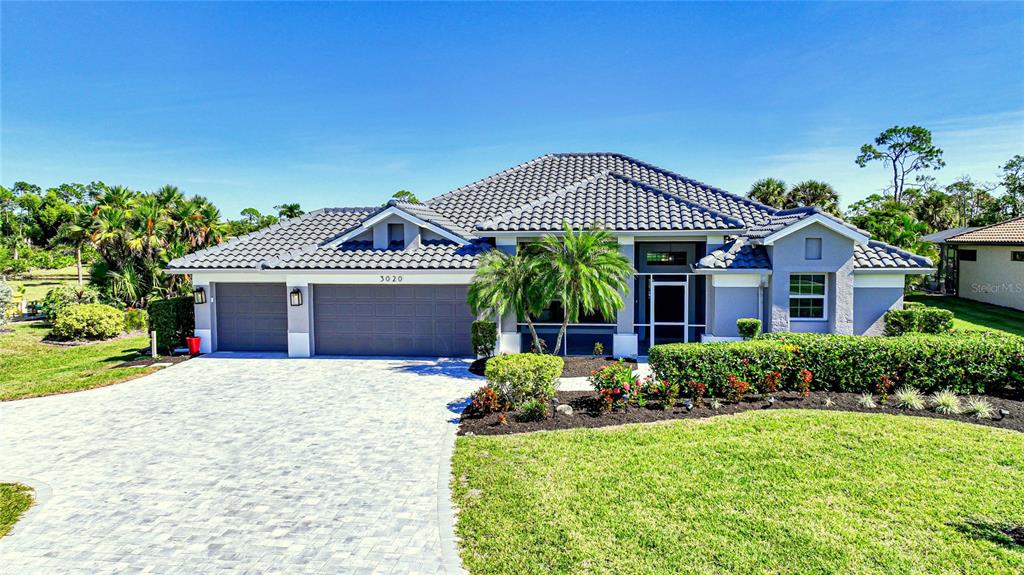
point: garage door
(252, 317)
(419, 320)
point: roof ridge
(518, 210)
(677, 197)
(490, 178)
(981, 228)
(281, 224)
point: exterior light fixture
(1003, 413)
(295, 297)
(199, 295)
(688, 404)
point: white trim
(904, 271)
(506, 241)
(878, 281)
(396, 211)
(817, 219)
(823, 297)
(736, 280)
(306, 277)
(298, 344)
(626, 241)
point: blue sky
(342, 104)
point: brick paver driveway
(227, 464)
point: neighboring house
(984, 264)
(392, 280)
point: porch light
(199, 295)
(295, 297)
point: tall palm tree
(584, 270)
(504, 283)
(168, 195)
(289, 210)
(769, 191)
(814, 193)
(76, 232)
(146, 235)
(936, 211)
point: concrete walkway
(240, 465)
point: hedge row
(918, 319)
(173, 320)
(966, 363)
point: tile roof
(879, 255)
(736, 254)
(431, 254)
(424, 212)
(784, 218)
(1008, 232)
(941, 237)
(614, 201)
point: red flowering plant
(736, 388)
(662, 391)
(698, 390)
(805, 378)
(487, 401)
(616, 384)
(771, 381)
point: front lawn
(975, 315)
(761, 492)
(15, 498)
(30, 368)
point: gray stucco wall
(731, 304)
(624, 317)
(869, 307)
(836, 259)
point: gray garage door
(252, 317)
(418, 320)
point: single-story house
(392, 279)
(985, 264)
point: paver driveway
(240, 464)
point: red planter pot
(193, 345)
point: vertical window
(812, 249)
(1017, 256)
(807, 296)
(396, 235)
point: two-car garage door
(411, 320)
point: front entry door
(668, 312)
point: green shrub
(918, 319)
(485, 335)
(912, 304)
(88, 321)
(136, 319)
(971, 362)
(173, 320)
(60, 297)
(907, 397)
(979, 407)
(533, 409)
(523, 376)
(6, 299)
(748, 327)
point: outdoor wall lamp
(295, 297)
(199, 295)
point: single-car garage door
(252, 317)
(412, 320)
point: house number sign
(391, 279)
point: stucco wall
(731, 304)
(870, 305)
(836, 259)
(993, 278)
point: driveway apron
(240, 464)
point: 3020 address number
(390, 279)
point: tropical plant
(979, 407)
(946, 402)
(908, 397)
(904, 149)
(867, 401)
(769, 191)
(814, 193)
(584, 271)
(507, 283)
(289, 210)
(76, 232)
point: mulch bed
(575, 365)
(148, 361)
(587, 413)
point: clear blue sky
(342, 104)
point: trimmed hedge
(748, 327)
(967, 363)
(485, 335)
(173, 320)
(88, 321)
(918, 319)
(60, 297)
(523, 376)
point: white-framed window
(807, 297)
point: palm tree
(504, 283)
(814, 193)
(585, 271)
(935, 210)
(769, 191)
(76, 232)
(289, 210)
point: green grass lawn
(781, 492)
(43, 281)
(15, 498)
(974, 315)
(30, 368)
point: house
(985, 264)
(392, 280)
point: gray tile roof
(784, 218)
(942, 236)
(432, 254)
(734, 255)
(614, 201)
(424, 212)
(879, 255)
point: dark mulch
(575, 365)
(148, 361)
(587, 412)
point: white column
(508, 325)
(625, 342)
(299, 320)
(205, 317)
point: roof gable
(785, 222)
(417, 214)
(1008, 232)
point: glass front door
(668, 312)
